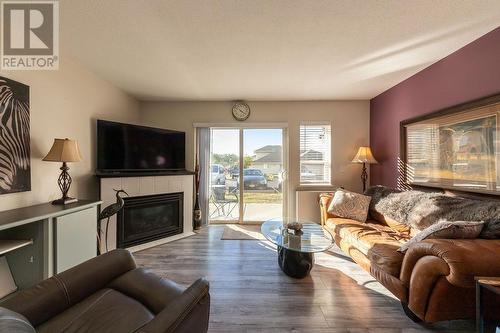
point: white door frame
(285, 156)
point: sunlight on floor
(236, 231)
(330, 260)
(267, 245)
(335, 260)
(249, 292)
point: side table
(489, 285)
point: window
(315, 153)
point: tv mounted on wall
(132, 148)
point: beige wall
(349, 119)
(65, 103)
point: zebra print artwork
(15, 168)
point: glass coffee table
(296, 252)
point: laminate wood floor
(249, 292)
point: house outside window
(268, 159)
(315, 153)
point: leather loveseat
(108, 294)
(434, 279)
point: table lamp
(64, 150)
(364, 156)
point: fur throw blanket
(421, 209)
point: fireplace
(147, 218)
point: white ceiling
(266, 49)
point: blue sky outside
(226, 141)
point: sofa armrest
(458, 260)
(52, 296)
(11, 321)
(324, 201)
(172, 317)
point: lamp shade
(64, 150)
(364, 155)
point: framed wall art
(15, 164)
(457, 148)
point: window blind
(315, 154)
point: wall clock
(241, 111)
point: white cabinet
(75, 238)
(42, 240)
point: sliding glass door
(254, 157)
(263, 174)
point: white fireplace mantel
(146, 185)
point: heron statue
(108, 212)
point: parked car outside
(217, 176)
(254, 179)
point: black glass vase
(197, 213)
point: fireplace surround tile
(132, 186)
(148, 185)
(175, 185)
(161, 185)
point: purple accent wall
(467, 74)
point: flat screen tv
(133, 148)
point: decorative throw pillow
(446, 230)
(349, 205)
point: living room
(249, 166)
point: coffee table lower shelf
(295, 264)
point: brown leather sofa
(434, 279)
(108, 294)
